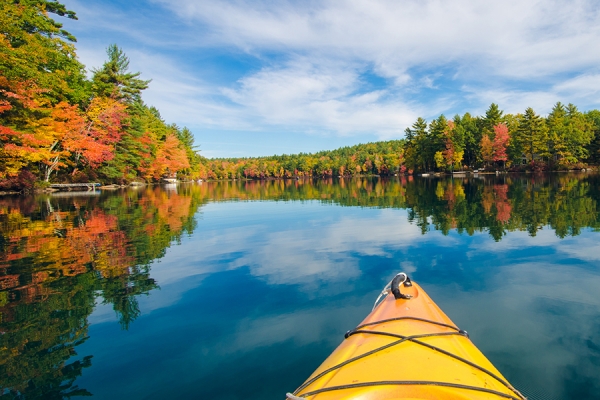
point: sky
(263, 77)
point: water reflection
(276, 282)
(565, 202)
(60, 256)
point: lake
(239, 290)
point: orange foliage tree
(90, 137)
(487, 150)
(448, 153)
(23, 141)
(170, 158)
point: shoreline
(458, 174)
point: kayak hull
(407, 348)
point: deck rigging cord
(394, 286)
(413, 383)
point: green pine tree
(532, 135)
(115, 80)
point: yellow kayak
(406, 348)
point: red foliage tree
(500, 143)
(503, 207)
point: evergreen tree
(114, 79)
(436, 139)
(557, 132)
(471, 138)
(514, 149)
(493, 116)
(532, 135)
(593, 148)
(570, 132)
(39, 22)
(580, 132)
(416, 142)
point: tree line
(56, 124)
(566, 139)
(379, 158)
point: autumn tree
(22, 144)
(493, 116)
(500, 143)
(38, 69)
(102, 131)
(487, 150)
(170, 158)
(439, 159)
(453, 142)
(186, 137)
(89, 137)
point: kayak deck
(407, 348)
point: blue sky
(265, 77)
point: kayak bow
(406, 348)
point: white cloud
(184, 97)
(582, 90)
(582, 248)
(585, 87)
(307, 95)
(313, 61)
(519, 239)
(514, 38)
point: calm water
(239, 290)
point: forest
(57, 124)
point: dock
(77, 193)
(90, 186)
